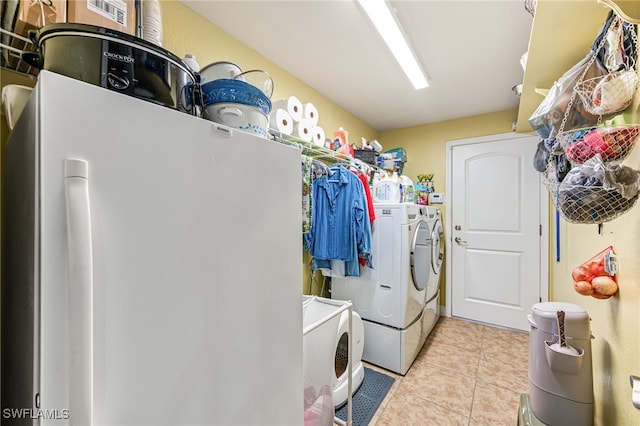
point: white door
(495, 230)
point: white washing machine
(390, 298)
(432, 305)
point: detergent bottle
(395, 178)
(387, 189)
(373, 183)
(408, 191)
(340, 139)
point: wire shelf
(11, 48)
(310, 149)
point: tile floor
(466, 374)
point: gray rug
(368, 398)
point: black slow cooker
(116, 61)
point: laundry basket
(320, 319)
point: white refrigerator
(151, 269)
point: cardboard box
(34, 14)
(30, 15)
(117, 15)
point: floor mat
(367, 399)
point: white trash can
(560, 377)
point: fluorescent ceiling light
(385, 23)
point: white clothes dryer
(432, 305)
(390, 298)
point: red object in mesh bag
(592, 278)
(613, 144)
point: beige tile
(466, 373)
(441, 387)
(511, 374)
(506, 344)
(494, 406)
(411, 410)
(442, 354)
(458, 333)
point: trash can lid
(554, 307)
(576, 319)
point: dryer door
(436, 252)
(420, 254)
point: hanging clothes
(367, 193)
(307, 198)
(340, 222)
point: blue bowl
(235, 91)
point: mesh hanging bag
(617, 50)
(595, 193)
(596, 189)
(612, 143)
(610, 93)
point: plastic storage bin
(398, 153)
(369, 156)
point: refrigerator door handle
(80, 300)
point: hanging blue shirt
(341, 228)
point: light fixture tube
(385, 23)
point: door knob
(460, 241)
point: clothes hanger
(332, 171)
(320, 169)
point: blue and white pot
(234, 91)
(237, 104)
(239, 116)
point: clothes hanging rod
(320, 153)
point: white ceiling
(469, 49)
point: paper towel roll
(309, 112)
(317, 134)
(302, 130)
(281, 121)
(292, 105)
